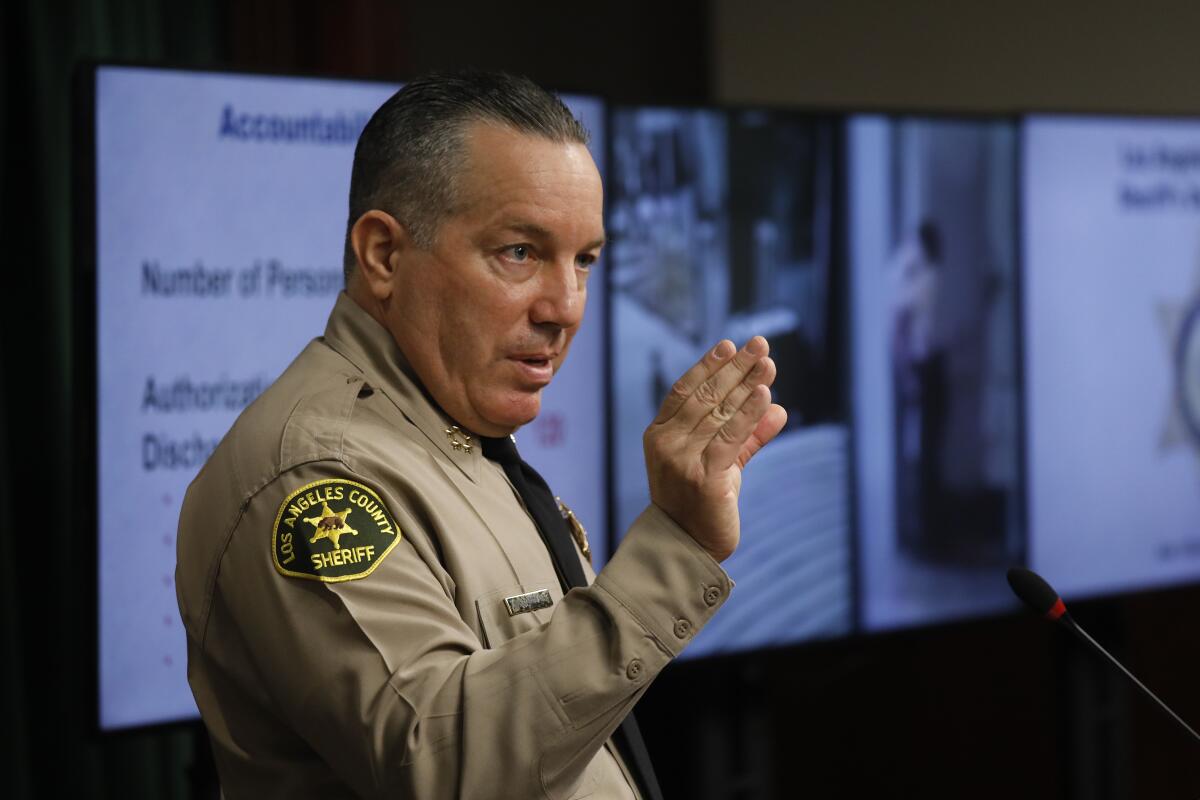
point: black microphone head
(1036, 593)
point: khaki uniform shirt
(343, 569)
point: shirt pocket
(501, 620)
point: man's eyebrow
(535, 231)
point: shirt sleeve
(381, 676)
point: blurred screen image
(933, 259)
(878, 254)
(1112, 332)
(722, 227)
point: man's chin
(516, 411)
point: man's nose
(561, 295)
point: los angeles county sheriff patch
(332, 530)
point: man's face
(486, 314)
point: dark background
(1005, 707)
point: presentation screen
(722, 227)
(220, 210)
(1112, 342)
(932, 248)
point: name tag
(530, 601)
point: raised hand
(715, 418)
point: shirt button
(634, 670)
(711, 595)
(682, 628)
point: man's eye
(585, 260)
(518, 252)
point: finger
(713, 390)
(767, 429)
(700, 372)
(729, 441)
(761, 374)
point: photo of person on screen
(918, 382)
(952, 343)
(933, 263)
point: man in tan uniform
(370, 606)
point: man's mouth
(538, 368)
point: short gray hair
(411, 150)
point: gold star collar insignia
(459, 439)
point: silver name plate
(530, 601)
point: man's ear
(377, 239)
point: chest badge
(577, 530)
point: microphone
(1034, 592)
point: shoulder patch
(332, 530)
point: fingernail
(722, 350)
(759, 369)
